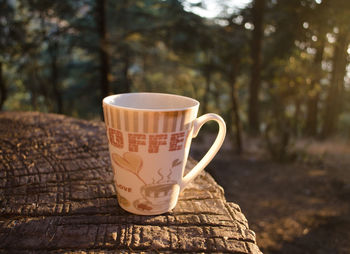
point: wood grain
(57, 194)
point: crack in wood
(57, 193)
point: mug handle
(198, 123)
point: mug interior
(151, 101)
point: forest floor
(296, 207)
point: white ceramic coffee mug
(149, 138)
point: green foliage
(50, 57)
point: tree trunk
(216, 96)
(207, 76)
(335, 95)
(53, 48)
(312, 114)
(126, 82)
(124, 85)
(33, 94)
(207, 71)
(235, 115)
(314, 94)
(296, 120)
(254, 88)
(103, 47)
(3, 88)
(146, 84)
(43, 89)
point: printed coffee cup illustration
(158, 193)
(149, 137)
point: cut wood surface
(57, 194)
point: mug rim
(196, 103)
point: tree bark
(3, 88)
(103, 48)
(314, 95)
(335, 95)
(254, 87)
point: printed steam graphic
(156, 195)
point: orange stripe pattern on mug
(148, 122)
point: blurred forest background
(275, 69)
(274, 64)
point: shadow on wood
(57, 194)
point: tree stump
(57, 194)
